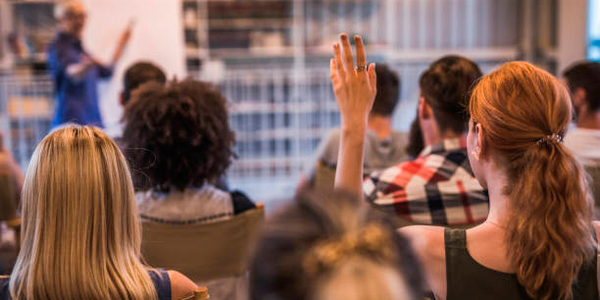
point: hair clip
(550, 139)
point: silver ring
(360, 68)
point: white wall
(572, 32)
(157, 37)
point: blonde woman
(81, 232)
(538, 241)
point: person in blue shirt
(74, 71)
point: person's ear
(579, 97)
(424, 109)
(478, 130)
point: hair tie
(550, 139)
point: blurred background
(271, 59)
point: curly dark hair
(177, 136)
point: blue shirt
(76, 98)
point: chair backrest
(324, 176)
(203, 251)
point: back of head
(80, 231)
(586, 76)
(177, 136)
(446, 87)
(524, 112)
(327, 246)
(388, 91)
(63, 8)
(138, 74)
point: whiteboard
(157, 37)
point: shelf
(250, 107)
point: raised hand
(354, 88)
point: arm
(106, 70)
(354, 92)
(77, 70)
(428, 243)
(123, 41)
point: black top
(466, 279)
(160, 278)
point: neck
(589, 121)
(432, 135)
(381, 126)
(496, 181)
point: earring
(476, 153)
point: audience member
(179, 144)
(74, 71)
(11, 183)
(81, 232)
(384, 147)
(538, 240)
(138, 74)
(439, 186)
(583, 79)
(415, 140)
(327, 246)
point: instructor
(74, 71)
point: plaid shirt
(437, 188)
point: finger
(333, 71)
(338, 61)
(348, 59)
(372, 78)
(361, 56)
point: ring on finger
(361, 68)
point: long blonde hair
(81, 232)
(524, 112)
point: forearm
(78, 70)
(117, 54)
(349, 173)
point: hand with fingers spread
(354, 90)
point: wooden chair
(203, 252)
(201, 293)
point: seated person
(11, 183)
(538, 241)
(328, 246)
(583, 79)
(179, 144)
(137, 75)
(384, 146)
(439, 186)
(81, 231)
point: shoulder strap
(455, 238)
(162, 283)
